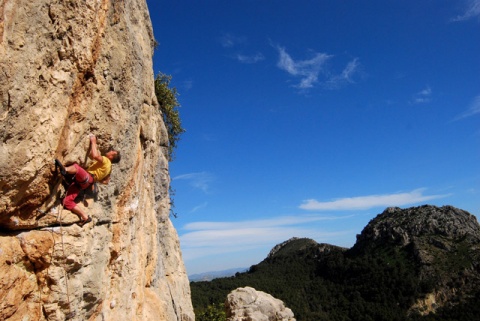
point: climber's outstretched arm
(94, 153)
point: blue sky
(309, 118)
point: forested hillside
(398, 261)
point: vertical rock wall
(69, 68)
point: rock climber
(99, 171)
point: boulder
(248, 304)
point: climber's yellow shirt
(100, 170)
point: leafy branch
(167, 99)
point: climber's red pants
(83, 180)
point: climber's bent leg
(72, 193)
(80, 213)
(82, 177)
(69, 202)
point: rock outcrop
(444, 242)
(67, 69)
(403, 226)
(248, 304)
(298, 246)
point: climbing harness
(87, 179)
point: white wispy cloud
(251, 59)
(350, 70)
(231, 41)
(199, 180)
(209, 238)
(472, 11)
(227, 40)
(187, 84)
(346, 76)
(473, 109)
(198, 207)
(313, 71)
(423, 96)
(272, 222)
(370, 201)
(307, 70)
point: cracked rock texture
(69, 68)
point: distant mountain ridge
(210, 275)
(296, 244)
(419, 263)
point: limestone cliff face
(69, 68)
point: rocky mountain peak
(297, 245)
(402, 226)
(444, 243)
(280, 246)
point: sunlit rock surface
(248, 304)
(67, 69)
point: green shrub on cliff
(167, 99)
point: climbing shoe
(82, 223)
(59, 165)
